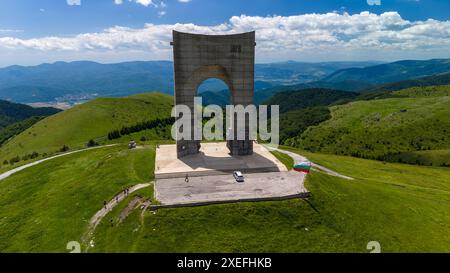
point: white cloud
(330, 36)
(73, 2)
(142, 2)
(184, 1)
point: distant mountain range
(390, 72)
(83, 80)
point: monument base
(213, 159)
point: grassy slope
(377, 128)
(284, 158)
(403, 207)
(425, 91)
(91, 120)
(42, 210)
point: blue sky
(39, 31)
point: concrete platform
(204, 190)
(213, 159)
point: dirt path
(18, 169)
(95, 220)
(99, 215)
(316, 167)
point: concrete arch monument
(230, 58)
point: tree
(92, 143)
(14, 160)
(64, 148)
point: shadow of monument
(253, 163)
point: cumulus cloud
(73, 2)
(321, 36)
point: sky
(107, 31)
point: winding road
(18, 169)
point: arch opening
(214, 91)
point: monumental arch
(230, 58)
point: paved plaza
(213, 159)
(224, 188)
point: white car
(238, 176)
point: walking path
(18, 169)
(95, 220)
(299, 158)
(99, 215)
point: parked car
(238, 176)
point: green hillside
(385, 90)
(294, 123)
(301, 109)
(423, 92)
(418, 120)
(300, 99)
(92, 120)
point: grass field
(427, 158)
(92, 120)
(42, 210)
(403, 207)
